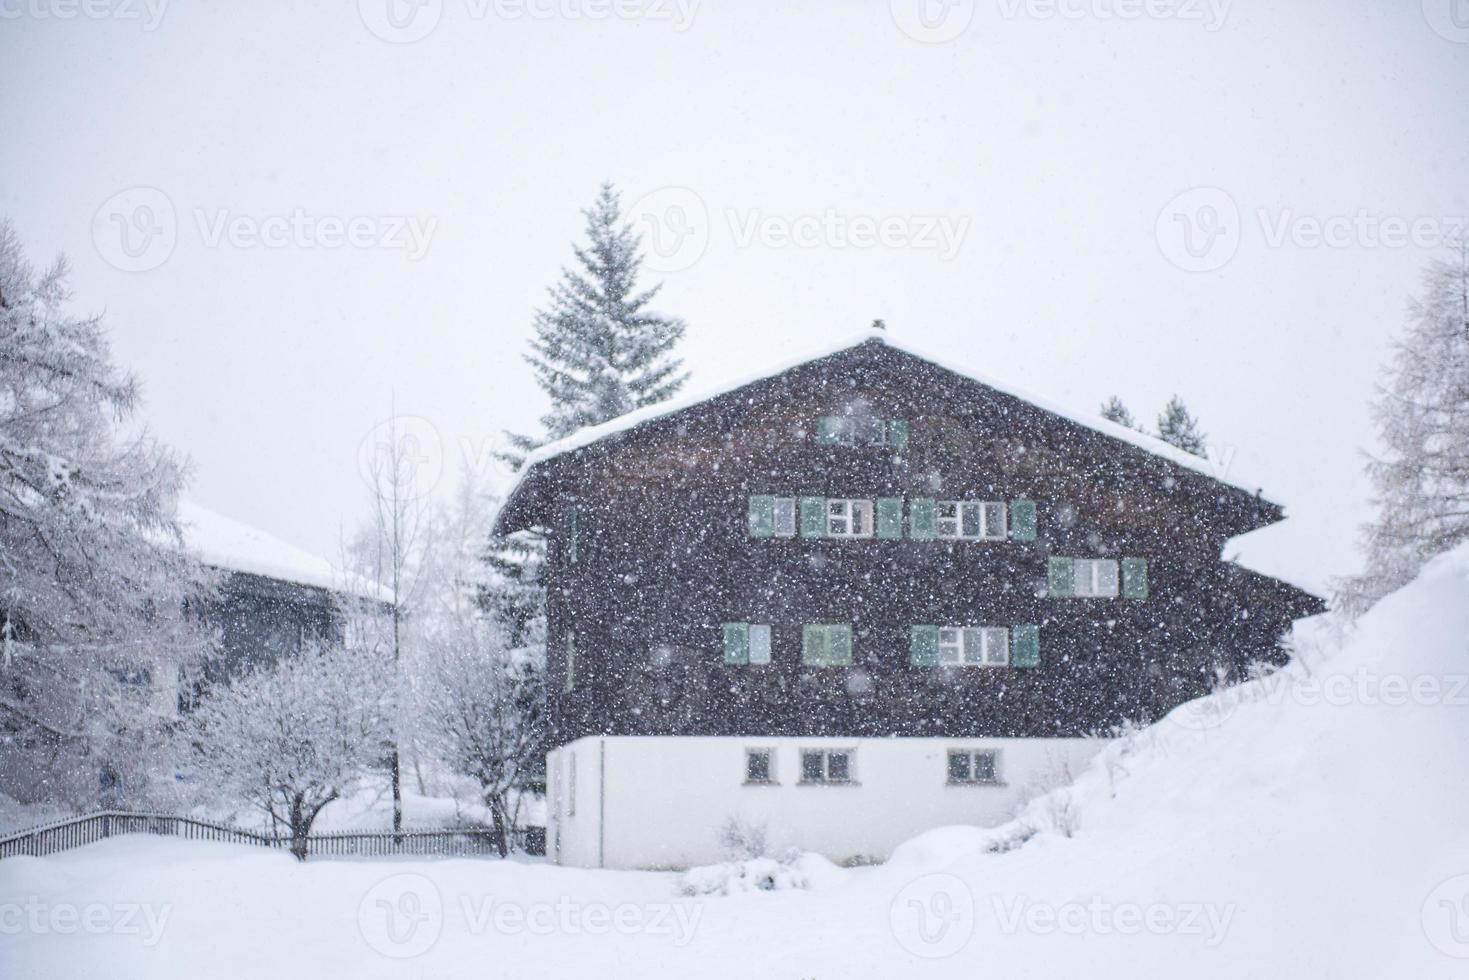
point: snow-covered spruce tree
(483, 704)
(1113, 410)
(94, 586)
(292, 738)
(599, 352)
(1179, 428)
(1421, 478)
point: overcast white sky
(1052, 143)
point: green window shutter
(813, 645)
(1025, 646)
(923, 522)
(898, 433)
(736, 643)
(839, 644)
(1134, 578)
(762, 516)
(924, 650)
(813, 517)
(889, 517)
(827, 430)
(1022, 520)
(1061, 575)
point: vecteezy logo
(400, 21)
(932, 21)
(402, 456)
(933, 916)
(1446, 917)
(136, 230)
(1199, 230)
(674, 225)
(402, 916)
(1448, 18)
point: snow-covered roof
(1091, 420)
(221, 542)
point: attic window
(861, 430)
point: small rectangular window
(759, 643)
(871, 431)
(570, 661)
(759, 766)
(971, 520)
(848, 518)
(973, 646)
(785, 517)
(1095, 577)
(826, 766)
(973, 766)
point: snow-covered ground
(1311, 824)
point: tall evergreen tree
(1421, 479)
(1177, 427)
(1114, 411)
(599, 351)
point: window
(826, 644)
(971, 520)
(848, 518)
(973, 646)
(746, 643)
(861, 430)
(571, 784)
(570, 661)
(785, 517)
(760, 766)
(1095, 577)
(826, 765)
(974, 766)
(759, 643)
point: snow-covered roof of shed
(1151, 444)
(223, 543)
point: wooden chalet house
(864, 596)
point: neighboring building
(274, 599)
(865, 596)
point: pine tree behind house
(1179, 428)
(1114, 411)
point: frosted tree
(1177, 427)
(483, 704)
(292, 738)
(95, 588)
(1421, 477)
(1113, 410)
(391, 550)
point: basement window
(819, 766)
(974, 767)
(759, 767)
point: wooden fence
(63, 835)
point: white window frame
(844, 509)
(763, 630)
(974, 646)
(771, 778)
(990, 519)
(848, 430)
(826, 754)
(1090, 578)
(785, 506)
(995, 757)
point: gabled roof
(583, 438)
(229, 545)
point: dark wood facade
(663, 557)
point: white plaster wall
(666, 799)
